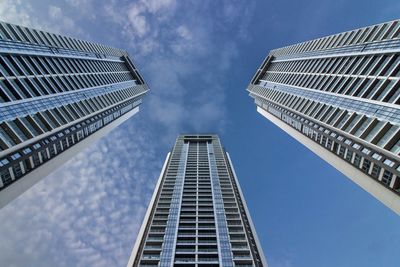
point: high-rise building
(340, 96)
(57, 95)
(197, 215)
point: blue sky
(198, 57)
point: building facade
(340, 96)
(57, 95)
(197, 215)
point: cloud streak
(84, 211)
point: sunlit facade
(197, 215)
(57, 95)
(340, 96)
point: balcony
(185, 250)
(187, 227)
(206, 233)
(155, 239)
(242, 257)
(186, 235)
(208, 251)
(236, 231)
(186, 241)
(150, 257)
(209, 241)
(156, 231)
(185, 260)
(208, 259)
(148, 247)
(239, 247)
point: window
(376, 156)
(15, 156)
(383, 140)
(363, 126)
(366, 151)
(357, 160)
(375, 171)
(4, 162)
(27, 150)
(349, 155)
(387, 177)
(36, 146)
(374, 131)
(356, 146)
(366, 165)
(388, 162)
(342, 150)
(396, 148)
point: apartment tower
(57, 95)
(197, 215)
(340, 96)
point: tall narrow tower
(340, 96)
(57, 95)
(197, 215)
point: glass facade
(343, 92)
(198, 216)
(56, 91)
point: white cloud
(63, 22)
(138, 22)
(79, 4)
(85, 7)
(154, 6)
(184, 32)
(111, 12)
(54, 12)
(51, 19)
(139, 14)
(89, 210)
(13, 11)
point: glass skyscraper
(57, 94)
(340, 96)
(197, 215)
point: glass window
(366, 151)
(17, 130)
(27, 150)
(387, 177)
(388, 162)
(386, 88)
(353, 122)
(36, 146)
(363, 126)
(343, 120)
(4, 162)
(396, 148)
(357, 160)
(376, 156)
(393, 129)
(349, 155)
(376, 171)
(374, 131)
(15, 156)
(366, 165)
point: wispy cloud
(13, 11)
(88, 211)
(62, 21)
(177, 45)
(52, 18)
